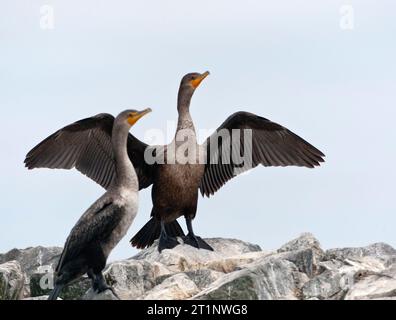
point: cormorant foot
(95, 284)
(197, 242)
(106, 287)
(167, 242)
(100, 285)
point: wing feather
(86, 145)
(272, 145)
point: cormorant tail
(55, 292)
(151, 231)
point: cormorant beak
(196, 82)
(137, 115)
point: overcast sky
(290, 61)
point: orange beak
(196, 82)
(133, 118)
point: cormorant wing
(86, 145)
(272, 145)
(95, 225)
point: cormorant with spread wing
(105, 223)
(85, 145)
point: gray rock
(11, 281)
(340, 276)
(304, 241)
(381, 251)
(105, 295)
(204, 277)
(33, 260)
(273, 279)
(373, 285)
(300, 269)
(176, 287)
(306, 260)
(304, 251)
(326, 286)
(222, 247)
(40, 286)
(229, 264)
(132, 278)
(186, 258)
(232, 247)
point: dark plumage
(104, 224)
(86, 146)
(273, 145)
(176, 184)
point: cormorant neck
(126, 175)
(183, 108)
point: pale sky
(289, 61)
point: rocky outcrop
(300, 269)
(33, 260)
(11, 281)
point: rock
(232, 247)
(340, 277)
(305, 260)
(39, 286)
(132, 278)
(186, 258)
(373, 285)
(105, 295)
(33, 260)
(381, 251)
(299, 269)
(11, 281)
(76, 290)
(135, 278)
(304, 241)
(326, 286)
(228, 264)
(269, 280)
(204, 277)
(176, 287)
(305, 252)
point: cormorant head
(193, 80)
(188, 84)
(130, 117)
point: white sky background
(288, 61)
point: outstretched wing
(94, 226)
(271, 145)
(86, 146)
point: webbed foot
(196, 242)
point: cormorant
(176, 183)
(105, 223)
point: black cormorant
(85, 146)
